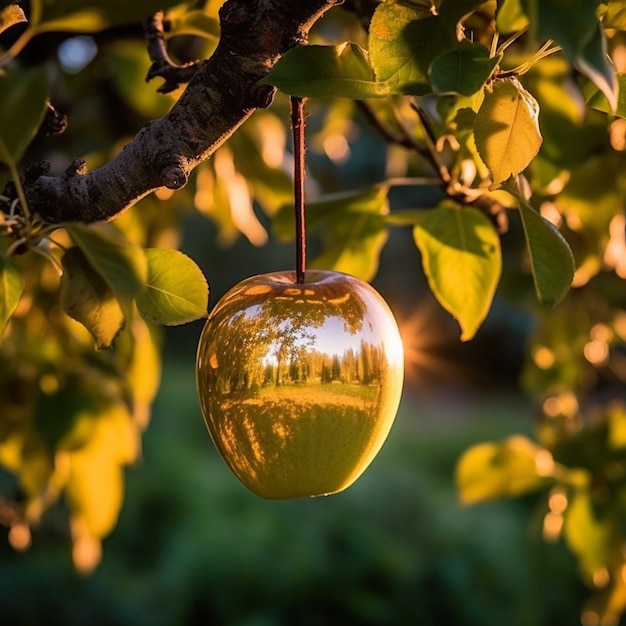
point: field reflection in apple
(299, 383)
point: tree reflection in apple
(299, 383)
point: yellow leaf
(86, 297)
(506, 129)
(26, 454)
(143, 371)
(94, 489)
(588, 536)
(95, 484)
(11, 15)
(509, 468)
(616, 420)
(462, 261)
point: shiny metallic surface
(299, 384)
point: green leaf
(25, 453)
(352, 227)
(131, 67)
(176, 291)
(510, 17)
(66, 418)
(593, 196)
(87, 17)
(403, 42)
(196, 23)
(511, 468)
(121, 264)
(593, 61)
(506, 129)
(462, 262)
(551, 258)
(10, 15)
(89, 300)
(570, 23)
(371, 200)
(574, 25)
(452, 11)
(326, 71)
(22, 107)
(11, 288)
(464, 70)
(567, 141)
(353, 246)
(597, 100)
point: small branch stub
(162, 65)
(299, 148)
(174, 177)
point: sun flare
(427, 342)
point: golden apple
(299, 383)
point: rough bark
(222, 94)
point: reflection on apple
(299, 383)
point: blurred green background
(193, 546)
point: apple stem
(299, 147)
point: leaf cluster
(73, 417)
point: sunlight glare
(163, 193)
(590, 618)
(601, 577)
(19, 536)
(272, 136)
(424, 339)
(239, 198)
(544, 463)
(337, 148)
(543, 357)
(86, 553)
(564, 404)
(596, 352)
(615, 253)
(552, 526)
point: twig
(162, 65)
(431, 144)
(400, 139)
(406, 140)
(548, 48)
(299, 149)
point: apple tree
(510, 111)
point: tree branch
(221, 95)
